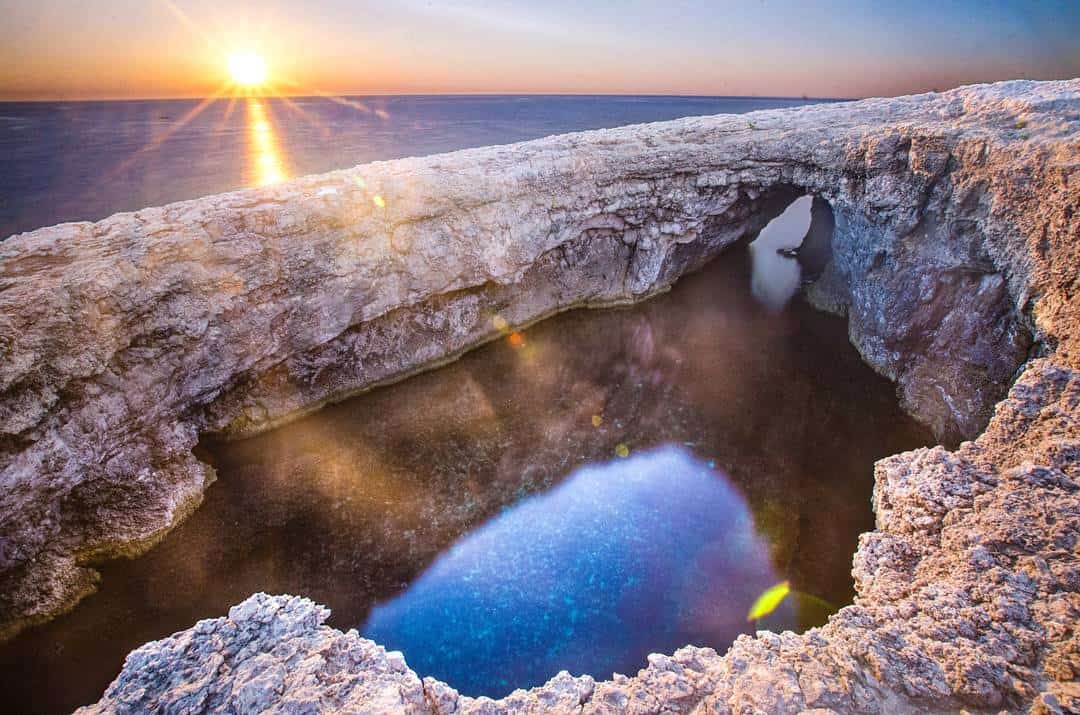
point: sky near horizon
(77, 49)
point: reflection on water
(776, 276)
(763, 418)
(624, 558)
(268, 166)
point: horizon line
(194, 97)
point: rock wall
(955, 258)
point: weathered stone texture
(955, 257)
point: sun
(247, 69)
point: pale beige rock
(956, 259)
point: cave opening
(792, 250)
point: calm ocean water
(75, 161)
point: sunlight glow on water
(623, 559)
(268, 167)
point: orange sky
(166, 48)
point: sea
(83, 161)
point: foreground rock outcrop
(955, 257)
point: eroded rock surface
(955, 247)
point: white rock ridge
(955, 257)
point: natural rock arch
(954, 248)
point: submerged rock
(955, 247)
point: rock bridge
(955, 257)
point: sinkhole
(600, 486)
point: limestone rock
(955, 258)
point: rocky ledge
(955, 257)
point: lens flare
(767, 602)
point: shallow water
(79, 161)
(481, 519)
